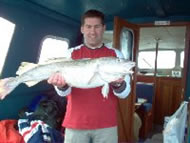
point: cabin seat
(145, 111)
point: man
(89, 116)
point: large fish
(82, 73)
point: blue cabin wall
(31, 27)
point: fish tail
(6, 86)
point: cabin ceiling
(168, 38)
(165, 37)
(140, 11)
(143, 10)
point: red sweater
(87, 108)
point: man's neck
(94, 47)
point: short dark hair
(92, 13)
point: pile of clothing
(39, 122)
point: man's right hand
(57, 79)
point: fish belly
(82, 77)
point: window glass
(181, 59)
(126, 43)
(108, 38)
(146, 60)
(166, 59)
(6, 33)
(53, 47)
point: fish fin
(96, 72)
(62, 59)
(31, 83)
(59, 59)
(93, 77)
(24, 67)
(105, 90)
(5, 88)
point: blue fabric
(147, 107)
(35, 102)
(145, 90)
(38, 131)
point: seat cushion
(146, 107)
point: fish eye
(119, 60)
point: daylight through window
(166, 59)
(53, 48)
(6, 33)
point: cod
(81, 73)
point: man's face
(93, 31)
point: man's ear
(104, 27)
(82, 29)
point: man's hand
(118, 82)
(57, 79)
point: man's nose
(92, 30)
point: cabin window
(169, 41)
(53, 47)
(126, 43)
(108, 38)
(166, 59)
(6, 33)
(146, 60)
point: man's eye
(97, 26)
(88, 26)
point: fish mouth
(129, 65)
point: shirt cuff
(119, 87)
(63, 91)
(64, 88)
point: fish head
(117, 66)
